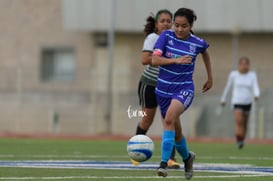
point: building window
(57, 64)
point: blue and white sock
(182, 148)
(167, 145)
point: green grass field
(115, 151)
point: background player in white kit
(245, 89)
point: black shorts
(147, 96)
(245, 108)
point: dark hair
(244, 59)
(188, 13)
(151, 21)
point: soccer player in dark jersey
(146, 90)
(175, 52)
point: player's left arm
(209, 82)
(256, 89)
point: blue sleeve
(161, 43)
(205, 47)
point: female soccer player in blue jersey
(146, 90)
(175, 52)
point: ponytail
(150, 26)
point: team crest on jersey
(192, 48)
(170, 42)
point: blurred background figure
(245, 89)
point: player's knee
(169, 123)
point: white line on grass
(125, 156)
(124, 177)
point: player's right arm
(158, 60)
(148, 48)
(146, 57)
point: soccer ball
(140, 148)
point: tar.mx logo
(134, 113)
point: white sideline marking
(124, 177)
(125, 156)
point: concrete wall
(27, 26)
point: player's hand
(186, 59)
(207, 86)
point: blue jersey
(175, 78)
